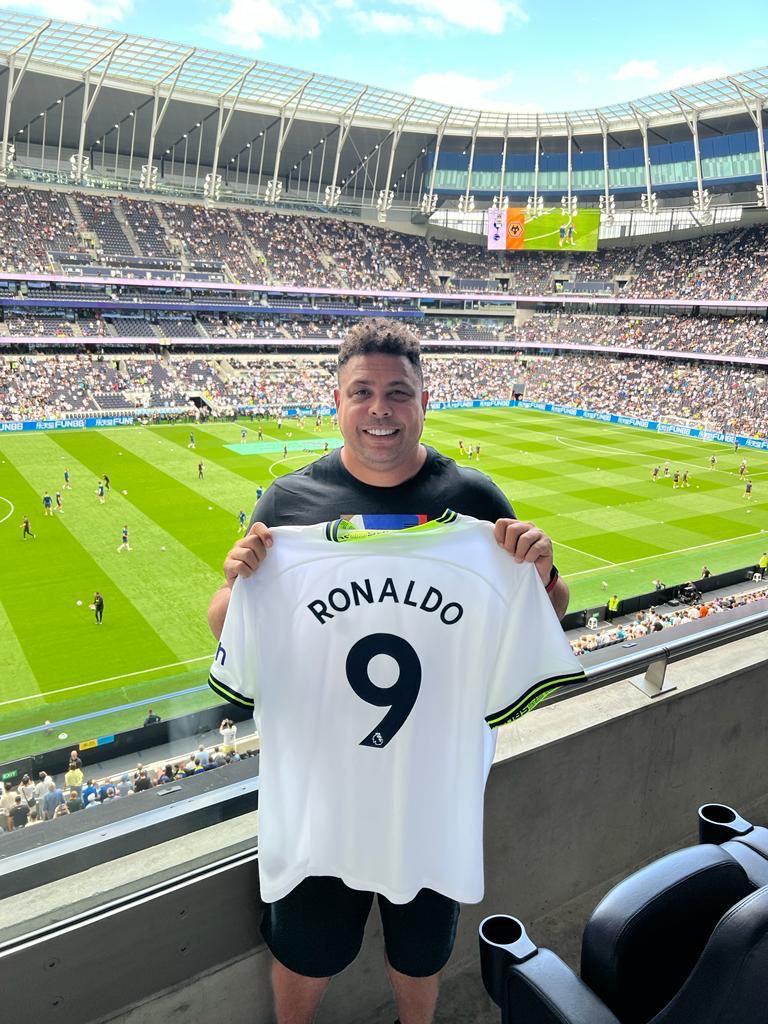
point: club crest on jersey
(355, 593)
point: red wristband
(554, 576)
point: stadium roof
(139, 64)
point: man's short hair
(387, 337)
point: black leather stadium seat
(682, 941)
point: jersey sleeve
(232, 674)
(534, 659)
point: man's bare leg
(416, 997)
(296, 996)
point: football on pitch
(125, 492)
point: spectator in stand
(27, 791)
(652, 621)
(91, 789)
(152, 718)
(74, 777)
(19, 813)
(74, 802)
(52, 799)
(228, 732)
(124, 787)
(41, 788)
(7, 803)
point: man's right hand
(245, 557)
(243, 560)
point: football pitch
(586, 484)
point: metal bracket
(653, 684)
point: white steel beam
(89, 101)
(345, 124)
(471, 162)
(398, 127)
(221, 130)
(15, 81)
(606, 184)
(755, 111)
(158, 116)
(503, 172)
(642, 123)
(441, 128)
(295, 98)
(692, 120)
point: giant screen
(514, 228)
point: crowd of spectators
(33, 801)
(734, 336)
(720, 397)
(281, 248)
(742, 337)
(653, 620)
(727, 398)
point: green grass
(586, 484)
(544, 233)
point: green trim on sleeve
(229, 694)
(533, 696)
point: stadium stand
(654, 389)
(289, 250)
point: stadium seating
(683, 940)
(635, 387)
(42, 226)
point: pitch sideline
(107, 679)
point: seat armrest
(544, 990)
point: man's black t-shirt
(326, 490)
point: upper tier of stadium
(212, 257)
(96, 105)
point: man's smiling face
(381, 406)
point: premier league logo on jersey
(377, 739)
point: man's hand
(245, 557)
(243, 560)
(526, 543)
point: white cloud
(88, 12)
(480, 15)
(249, 22)
(634, 69)
(649, 72)
(692, 75)
(382, 21)
(459, 90)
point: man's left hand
(526, 543)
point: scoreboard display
(514, 228)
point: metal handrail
(677, 649)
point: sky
(490, 54)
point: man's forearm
(217, 610)
(559, 596)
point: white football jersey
(375, 662)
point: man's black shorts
(317, 929)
